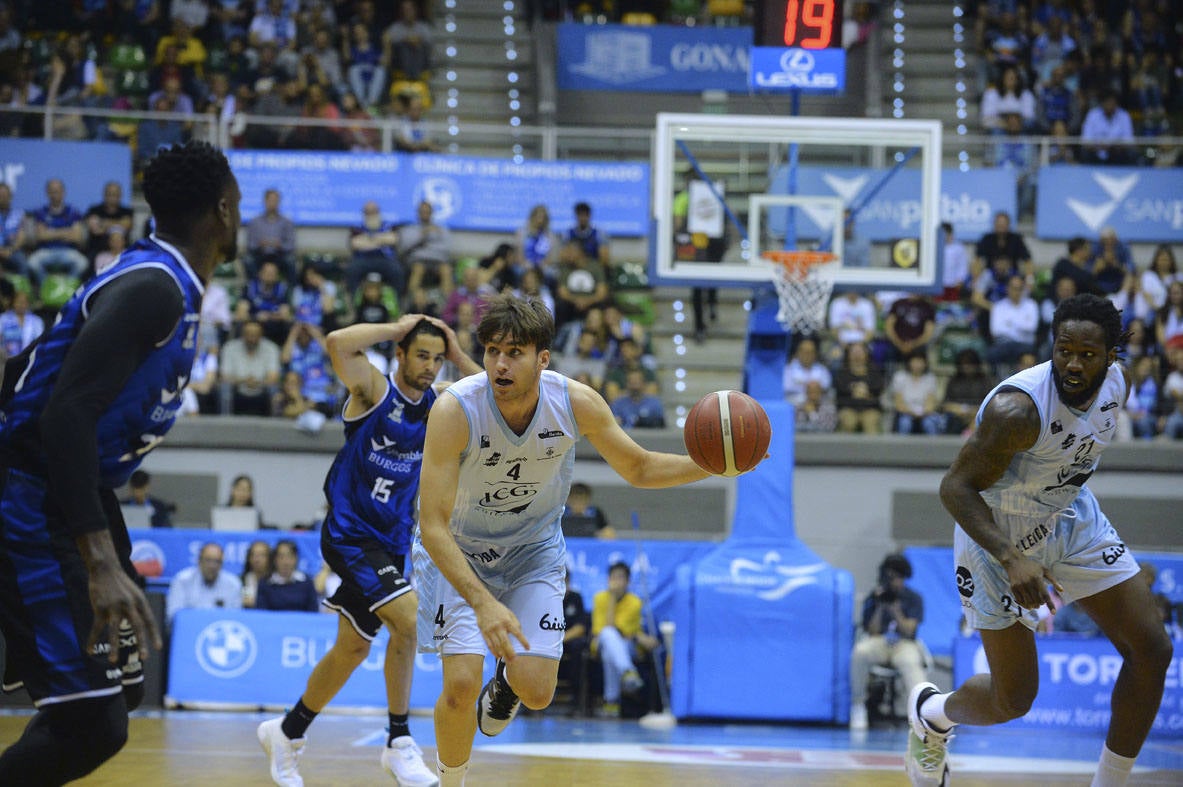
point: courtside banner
(159, 553)
(467, 193)
(83, 167)
(652, 565)
(1076, 677)
(890, 205)
(654, 58)
(256, 657)
(1141, 204)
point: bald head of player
(195, 199)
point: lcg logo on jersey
(226, 649)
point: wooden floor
(187, 748)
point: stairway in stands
(484, 75)
(689, 369)
(928, 62)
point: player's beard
(1079, 398)
(416, 383)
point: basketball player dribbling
(497, 468)
(1026, 519)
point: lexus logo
(796, 60)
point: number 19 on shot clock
(808, 24)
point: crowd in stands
(1106, 72)
(317, 59)
(261, 343)
(270, 580)
(872, 368)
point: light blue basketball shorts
(447, 625)
(1078, 544)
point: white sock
(451, 776)
(1113, 770)
(933, 711)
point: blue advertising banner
(231, 657)
(159, 553)
(780, 69)
(969, 200)
(84, 168)
(1076, 677)
(255, 657)
(653, 565)
(1140, 204)
(467, 193)
(657, 58)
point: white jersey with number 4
(1049, 475)
(512, 488)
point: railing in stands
(539, 142)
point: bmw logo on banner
(226, 649)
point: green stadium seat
(128, 57)
(56, 289)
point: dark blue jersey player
(366, 536)
(78, 411)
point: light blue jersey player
(1026, 519)
(79, 410)
(371, 490)
(496, 471)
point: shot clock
(807, 24)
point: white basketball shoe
(927, 759)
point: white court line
(811, 759)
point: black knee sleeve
(66, 741)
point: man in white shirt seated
(1013, 322)
(205, 585)
(803, 369)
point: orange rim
(798, 261)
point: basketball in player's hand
(727, 433)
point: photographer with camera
(891, 614)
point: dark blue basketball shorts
(45, 610)
(371, 575)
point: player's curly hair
(185, 181)
(1094, 309)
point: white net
(804, 281)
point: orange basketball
(727, 433)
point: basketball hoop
(804, 281)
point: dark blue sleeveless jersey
(144, 410)
(372, 485)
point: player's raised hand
(499, 626)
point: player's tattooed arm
(1010, 424)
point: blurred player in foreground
(79, 410)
